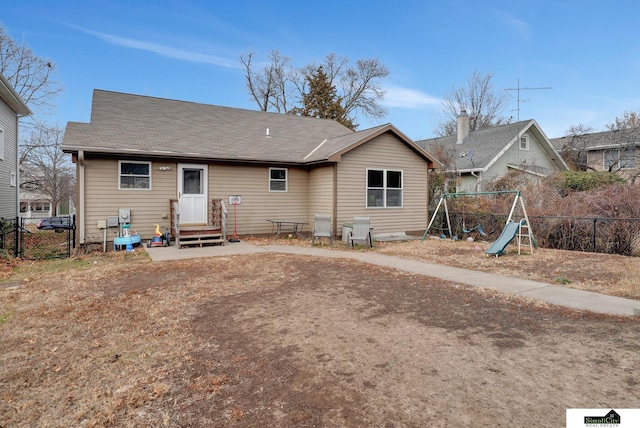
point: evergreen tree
(321, 100)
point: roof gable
(481, 149)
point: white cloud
(518, 25)
(396, 96)
(166, 51)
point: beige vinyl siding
(384, 152)
(103, 199)
(320, 192)
(8, 163)
(258, 203)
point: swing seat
(469, 230)
(478, 228)
(481, 230)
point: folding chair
(322, 228)
(361, 231)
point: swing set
(521, 229)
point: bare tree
(480, 100)
(574, 150)
(625, 158)
(30, 75)
(280, 87)
(270, 86)
(629, 120)
(45, 169)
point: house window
(384, 188)
(40, 207)
(524, 142)
(619, 158)
(277, 179)
(14, 179)
(134, 175)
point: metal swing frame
(525, 230)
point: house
(139, 152)
(11, 109)
(480, 157)
(614, 151)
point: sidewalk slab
(554, 294)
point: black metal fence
(31, 238)
(590, 234)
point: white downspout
(80, 208)
(478, 188)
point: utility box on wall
(124, 215)
(112, 221)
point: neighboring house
(36, 204)
(139, 152)
(11, 109)
(480, 157)
(614, 151)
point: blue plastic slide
(507, 235)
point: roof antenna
(523, 89)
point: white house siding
(320, 192)
(384, 152)
(8, 163)
(258, 203)
(103, 199)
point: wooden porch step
(201, 242)
(201, 239)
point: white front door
(192, 194)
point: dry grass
(104, 339)
(602, 273)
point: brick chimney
(463, 127)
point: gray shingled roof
(481, 148)
(599, 140)
(125, 123)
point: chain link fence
(590, 234)
(32, 238)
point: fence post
(595, 221)
(16, 234)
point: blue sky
(587, 51)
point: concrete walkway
(555, 294)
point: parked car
(55, 223)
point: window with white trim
(13, 181)
(619, 158)
(134, 175)
(524, 142)
(278, 179)
(384, 188)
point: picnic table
(295, 226)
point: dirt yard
(292, 341)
